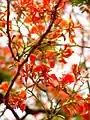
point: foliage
(40, 40)
(4, 76)
(78, 2)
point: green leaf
(88, 1)
(78, 117)
(58, 118)
(4, 76)
(77, 2)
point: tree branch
(9, 38)
(14, 113)
(33, 112)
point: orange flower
(64, 24)
(22, 95)
(57, 21)
(34, 30)
(58, 94)
(20, 3)
(63, 96)
(41, 28)
(27, 20)
(2, 24)
(4, 86)
(18, 100)
(49, 54)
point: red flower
(54, 80)
(62, 60)
(52, 63)
(53, 76)
(79, 107)
(78, 97)
(22, 106)
(41, 68)
(35, 19)
(32, 58)
(75, 69)
(67, 53)
(68, 78)
(86, 116)
(46, 2)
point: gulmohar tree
(39, 38)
